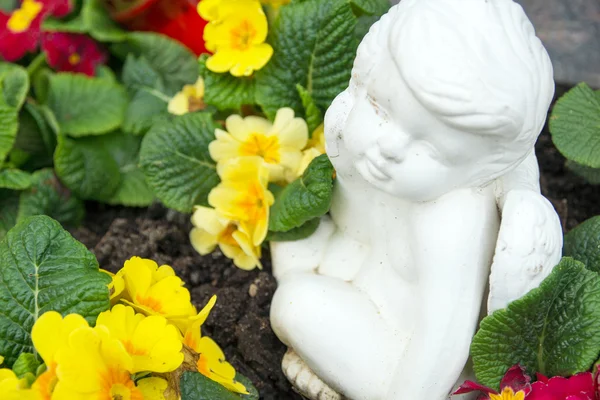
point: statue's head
(444, 94)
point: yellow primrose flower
(94, 366)
(152, 343)
(314, 148)
(116, 285)
(279, 144)
(237, 38)
(508, 394)
(243, 196)
(190, 99)
(156, 291)
(22, 18)
(212, 364)
(209, 9)
(211, 230)
(153, 388)
(13, 388)
(49, 334)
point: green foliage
(591, 175)
(9, 206)
(314, 116)
(147, 93)
(14, 179)
(36, 136)
(86, 106)
(314, 46)
(173, 62)
(27, 363)
(133, 191)
(48, 197)
(305, 199)
(583, 244)
(575, 126)
(553, 330)
(371, 7)
(44, 269)
(86, 167)
(99, 24)
(14, 84)
(301, 232)
(225, 91)
(195, 386)
(176, 162)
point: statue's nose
(393, 146)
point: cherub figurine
(437, 193)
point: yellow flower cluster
(250, 153)
(189, 99)
(236, 34)
(150, 334)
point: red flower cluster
(72, 52)
(516, 385)
(20, 30)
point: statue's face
(398, 146)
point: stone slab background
(570, 30)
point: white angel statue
(436, 203)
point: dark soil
(240, 320)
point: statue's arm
(529, 240)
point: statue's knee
(290, 309)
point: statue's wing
(529, 246)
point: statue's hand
(529, 246)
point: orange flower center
(253, 202)
(203, 367)
(149, 302)
(262, 145)
(242, 35)
(117, 385)
(45, 384)
(226, 237)
(21, 18)
(74, 59)
(132, 350)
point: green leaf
(591, 175)
(147, 91)
(176, 162)
(40, 82)
(87, 168)
(133, 191)
(306, 198)
(48, 197)
(99, 24)
(314, 46)
(172, 61)
(553, 330)
(583, 244)
(371, 7)
(86, 106)
(36, 135)
(9, 206)
(14, 179)
(575, 126)
(14, 83)
(8, 5)
(195, 386)
(75, 25)
(27, 363)
(44, 269)
(104, 72)
(314, 116)
(299, 233)
(225, 91)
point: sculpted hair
(492, 76)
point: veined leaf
(225, 91)
(195, 386)
(176, 162)
(314, 46)
(42, 269)
(14, 179)
(553, 330)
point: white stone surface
(437, 193)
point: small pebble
(253, 290)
